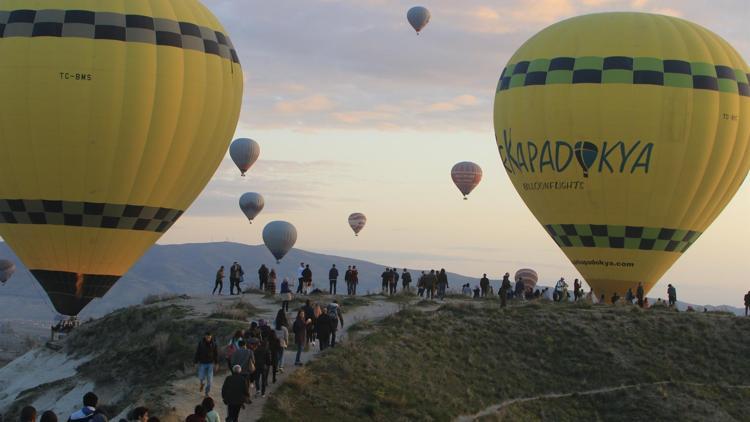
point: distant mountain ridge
(190, 269)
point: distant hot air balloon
(357, 222)
(528, 276)
(466, 175)
(279, 237)
(251, 204)
(418, 17)
(244, 153)
(626, 134)
(7, 268)
(116, 115)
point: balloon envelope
(251, 203)
(528, 276)
(7, 268)
(116, 115)
(357, 222)
(626, 134)
(279, 237)
(244, 153)
(418, 17)
(466, 175)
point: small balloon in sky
(251, 203)
(466, 175)
(279, 237)
(244, 153)
(418, 17)
(357, 222)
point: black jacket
(207, 352)
(307, 274)
(263, 273)
(348, 275)
(262, 358)
(333, 274)
(324, 326)
(406, 278)
(235, 390)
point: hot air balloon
(116, 115)
(466, 175)
(529, 278)
(626, 135)
(251, 204)
(418, 17)
(279, 237)
(244, 153)
(7, 268)
(357, 222)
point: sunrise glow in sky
(355, 113)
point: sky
(355, 113)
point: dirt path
(496, 408)
(185, 391)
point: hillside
(182, 269)
(537, 361)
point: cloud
(456, 103)
(304, 105)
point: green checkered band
(625, 70)
(621, 237)
(117, 27)
(87, 214)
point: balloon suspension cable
(465, 198)
(243, 174)
(251, 221)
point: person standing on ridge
(348, 280)
(639, 294)
(271, 286)
(234, 278)
(504, 289)
(307, 276)
(235, 392)
(206, 356)
(384, 277)
(672, 295)
(405, 281)
(219, 284)
(747, 302)
(394, 280)
(577, 292)
(520, 288)
(286, 294)
(300, 277)
(355, 279)
(484, 285)
(442, 283)
(262, 276)
(333, 276)
(421, 283)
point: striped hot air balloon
(528, 276)
(466, 175)
(357, 222)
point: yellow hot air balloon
(626, 134)
(114, 116)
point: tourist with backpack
(335, 315)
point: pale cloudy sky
(355, 113)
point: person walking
(504, 289)
(405, 281)
(336, 316)
(300, 277)
(484, 285)
(355, 280)
(235, 392)
(333, 276)
(300, 334)
(672, 295)
(442, 279)
(577, 292)
(262, 366)
(639, 294)
(245, 358)
(286, 294)
(262, 276)
(348, 280)
(206, 356)
(219, 283)
(323, 326)
(282, 334)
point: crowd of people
(254, 354)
